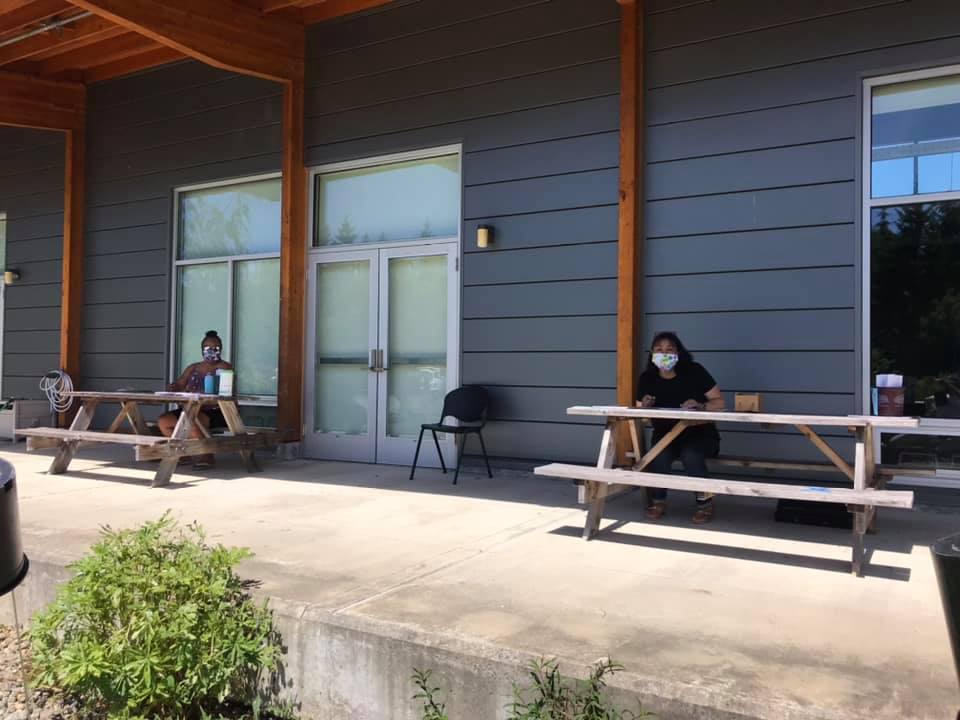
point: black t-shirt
(692, 383)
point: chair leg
(483, 446)
(463, 444)
(416, 455)
(437, 443)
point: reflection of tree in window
(346, 233)
(221, 221)
(915, 303)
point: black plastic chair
(467, 405)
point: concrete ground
(746, 618)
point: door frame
(391, 450)
(454, 290)
(348, 448)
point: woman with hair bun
(191, 381)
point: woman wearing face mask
(191, 381)
(673, 380)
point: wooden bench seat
(848, 496)
(250, 440)
(47, 437)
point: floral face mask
(211, 353)
(665, 361)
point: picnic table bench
(149, 446)
(603, 481)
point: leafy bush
(554, 697)
(155, 624)
(433, 709)
(550, 696)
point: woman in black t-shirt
(673, 380)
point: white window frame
(928, 426)
(230, 260)
(375, 161)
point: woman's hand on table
(692, 405)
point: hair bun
(211, 334)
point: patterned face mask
(211, 353)
(665, 361)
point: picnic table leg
(237, 427)
(596, 493)
(871, 471)
(181, 431)
(860, 512)
(68, 448)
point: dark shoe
(202, 462)
(703, 515)
(656, 510)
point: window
(390, 202)
(227, 278)
(912, 221)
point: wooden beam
(335, 8)
(116, 48)
(143, 61)
(221, 33)
(27, 101)
(13, 19)
(71, 296)
(70, 37)
(631, 211)
(293, 255)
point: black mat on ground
(806, 512)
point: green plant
(426, 692)
(154, 624)
(551, 696)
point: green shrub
(551, 696)
(154, 624)
(433, 709)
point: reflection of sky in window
(939, 173)
(392, 202)
(231, 220)
(892, 177)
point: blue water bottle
(208, 384)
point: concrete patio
(372, 575)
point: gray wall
(753, 143)
(31, 194)
(150, 133)
(752, 189)
(530, 89)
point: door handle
(373, 361)
(380, 357)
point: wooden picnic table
(149, 446)
(601, 482)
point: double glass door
(382, 349)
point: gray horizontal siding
(149, 134)
(529, 89)
(753, 131)
(31, 195)
(565, 369)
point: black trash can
(946, 561)
(13, 563)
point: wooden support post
(293, 258)
(631, 211)
(860, 520)
(596, 493)
(181, 431)
(71, 303)
(68, 449)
